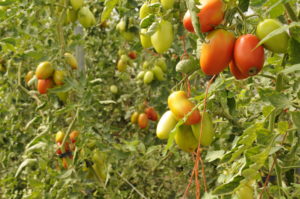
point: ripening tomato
(180, 106)
(143, 120)
(122, 65)
(59, 76)
(134, 117)
(276, 44)
(236, 72)
(71, 60)
(210, 15)
(217, 53)
(248, 59)
(151, 114)
(29, 76)
(73, 135)
(44, 70)
(44, 85)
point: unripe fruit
(59, 77)
(165, 125)
(76, 4)
(70, 59)
(114, 89)
(185, 139)
(134, 117)
(148, 77)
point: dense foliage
(256, 120)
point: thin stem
(291, 12)
(133, 187)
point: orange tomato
(236, 72)
(180, 106)
(73, 135)
(211, 15)
(248, 59)
(143, 120)
(44, 85)
(217, 53)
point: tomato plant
(249, 145)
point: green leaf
(229, 187)
(25, 163)
(291, 69)
(283, 126)
(213, 155)
(9, 40)
(293, 51)
(109, 6)
(295, 31)
(267, 110)
(243, 5)
(296, 119)
(152, 29)
(7, 2)
(276, 7)
(277, 99)
(147, 21)
(38, 146)
(195, 19)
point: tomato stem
(291, 12)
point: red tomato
(151, 114)
(235, 71)
(248, 59)
(44, 85)
(217, 53)
(211, 15)
(143, 120)
(58, 152)
(132, 55)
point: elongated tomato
(236, 72)
(248, 58)
(217, 53)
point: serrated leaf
(39, 146)
(229, 187)
(296, 119)
(109, 6)
(295, 31)
(243, 5)
(25, 163)
(147, 21)
(213, 155)
(152, 29)
(293, 51)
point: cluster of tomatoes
(69, 146)
(163, 37)
(77, 11)
(142, 119)
(154, 71)
(48, 77)
(244, 55)
(189, 134)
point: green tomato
(185, 139)
(167, 4)
(76, 4)
(207, 130)
(86, 17)
(276, 44)
(128, 36)
(161, 62)
(124, 58)
(141, 75)
(144, 10)
(162, 39)
(114, 89)
(245, 192)
(145, 40)
(158, 73)
(146, 65)
(121, 52)
(148, 77)
(165, 125)
(121, 26)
